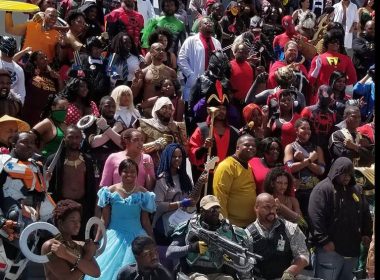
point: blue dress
(123, 228)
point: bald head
(369, 28)
(263, 198)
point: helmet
(8, 45)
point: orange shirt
(41, 40)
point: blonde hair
(118, 91)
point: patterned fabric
(74, 114)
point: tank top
(52, 146)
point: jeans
(332, 266)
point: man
(74, 164)
(214, 82)
(215, 11)
(347, 142)
(9, 126)
(321, 119)
(242, 75)
(69, 258)
(280, 242)
(291, 52)
(340, 221)
(234, 185)
(147, 265)
(105, 139)
(221, 143)
(346, 13)
(10, 104)
(323, 65)
(8, 48)
(161, 129)
(365, 89)
(40, 36)
(125, 19)
(194, 55)
(169, 21)
(151, 76)
(364, 50)
(281, 39)
(200, 258)
(22, 187)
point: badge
(92, 67)
(281, 245)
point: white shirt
(17, 78)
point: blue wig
(165, 164)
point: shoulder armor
(181, 228)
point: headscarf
(160, 102)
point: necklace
(74, 163)
(128, 193)
(156, 71)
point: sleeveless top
(52, 146)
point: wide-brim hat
(21, 125)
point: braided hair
(165, 164)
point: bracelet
(179, 204)
(76, 263)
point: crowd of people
(214, 139)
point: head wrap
(160, 102)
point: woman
(269, 155)
(125, 214)
(80, 104)
(171, 89)
(40, 82)
(90, 10)
(365, 13)
(126, 113)
(132, 141)
(279, 183)
(282, 123)
(255, 121)
(124, 60)
(62, 248)
(304, 7)
(338, 97)
(51, 130)
(172, 190)
(164, 36)
(306, 162)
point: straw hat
(21, 125)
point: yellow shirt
(235, 188)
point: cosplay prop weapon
(32, 228)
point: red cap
(210, 2)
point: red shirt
(241, 78)
(271, 83)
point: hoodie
(339, 214)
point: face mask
(59, 115)
(324, 101)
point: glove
(287, 276)
(202, 247)
(186, 202)
(318, 65)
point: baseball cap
(208, 202)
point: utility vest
(275, 250)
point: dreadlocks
(64, 208)
(164, 168)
